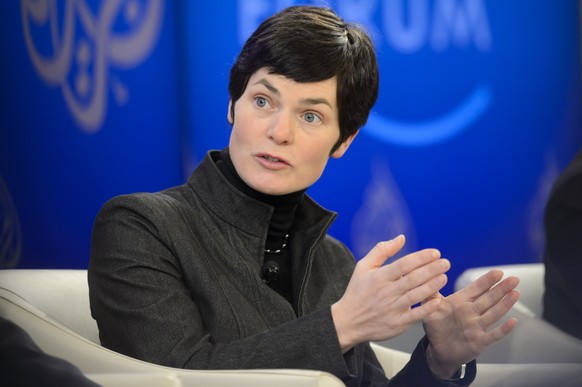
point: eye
(312, 118)
(261, 102)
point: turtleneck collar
(284, 206)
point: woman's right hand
(378, 302)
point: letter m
(458, 22)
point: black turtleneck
(280, 225)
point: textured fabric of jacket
(175, 279)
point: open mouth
(270, 161)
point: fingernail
(397, 238)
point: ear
(339, 152)
(228, 114)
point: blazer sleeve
(418, 373)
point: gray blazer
(174, 279)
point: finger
(499, 332)
(500, 309)
(425, 291)
(480, 286)
(421, 312)
(434, 296)
(495, 294)
(381, 252)
(423, 274)
(410, 262)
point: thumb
(382, 251)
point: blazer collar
(238, 209)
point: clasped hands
(378, 305)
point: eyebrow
(304, 101)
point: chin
(271, 189)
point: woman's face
(283, 132)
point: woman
(234, 269)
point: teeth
(271, 158)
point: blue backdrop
(89, 110)
(479, 111)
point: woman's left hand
(458, 331)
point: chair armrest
(391, 360)
(92, 359)
(135, 380)
(246, 378)
(531, 375)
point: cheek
(236, 143)
(243, 125)
(318, 162)
(237, 134)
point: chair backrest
(67, 301)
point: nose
(280, 130)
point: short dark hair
(312, 44)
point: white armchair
(52, 306)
